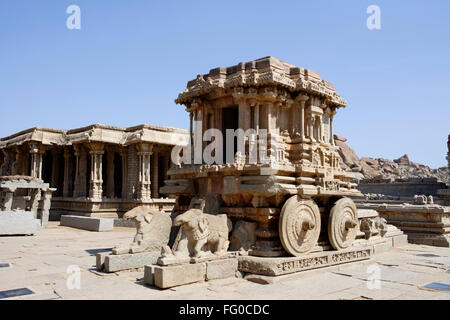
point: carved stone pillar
(320, 129)
(34, 202)
(244, 115)
(155, 184)
(311, 128)
(4, 167)
(66, 186)
(36, 160)
(256, 118)
(299, 115)
(271, 117)
(96, 180)
(333, 112)
(124, 157)
(191, 133)
(110, 173)
(8, 200)
(25, 162)
(144, 182)
(165, 165)
(18, 162)
(80, 171)
(45, 211)
(55, 168)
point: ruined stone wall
(403, 189)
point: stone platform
(404, 272)
(286, 265)
(108, 262)
(176, 275)
(87, 223)
(427, 224)
(18, 223)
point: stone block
(149, 275)
(100, 260)
(286, 265)
(18, 223)
(87, 223)
(220, 269)
(400, 240)
(382, 247)
(171, 276)
(113, 263)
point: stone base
(437, 240)
(399, 240)
(424, 224)
(18, 223)
(87, 223)
(111, 263)
(176, 275)
(286, 265)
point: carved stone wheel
(343, 223)
(299, 225)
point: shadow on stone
(93, 252)
(428, 255)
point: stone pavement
(40, 263)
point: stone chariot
(294, 190)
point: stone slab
(220, 269)
(382, 247)
(172, 276)
(87, 223)
(280, 266)
(113, 263)
(436, 240)
(261, 279)
(18, 223)
(400, 240)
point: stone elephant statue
(152, 230)
(201, 233)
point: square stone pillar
(34, 202)
(80, 171)
(125, 178)
(8, 200)
(144, 182)
(66, 186)
(166, 159)
(155, 184)
(55, 168)
(17, 168)
(110, 173)
(45, 210)
(333, 112)
(96, 182)
(36, 160)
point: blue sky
(131, 58)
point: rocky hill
(401, 168)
